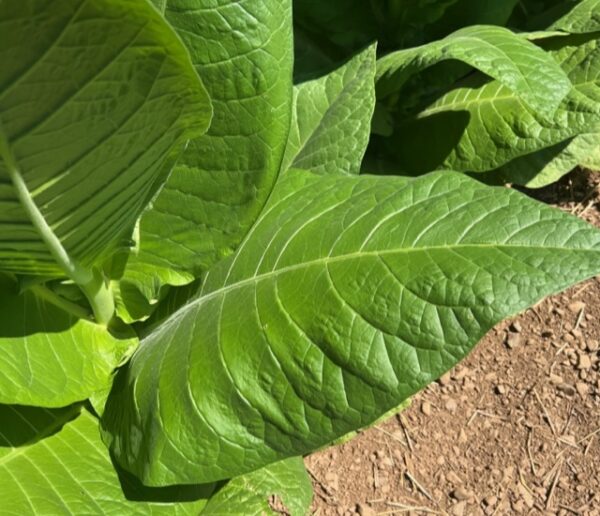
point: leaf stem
(91, 281)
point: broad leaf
(331, 118)
(549, 165)
(243, 52)
(50, 357)
(481, 125)
(54, 462)
(95, 96)
(349, 295)
(528, 71)
(280, 488)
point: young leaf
(54, 462)
(482, 125)
(516, 63)
(348, 295)
(244, 54)
(547, 166)
(331, 119)
(51, 357)
(94, 97)
(283, 486)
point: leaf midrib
(350, 256)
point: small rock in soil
(460, 494)
(584, 362)
(555, 379)
(592, 345)
(500, 389)
(490, 500)
(582, 388)
(458, 509)
(576, 306)
(513, 340)
(566, 389)
(516, 327)
(426, 408)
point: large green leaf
(348, 295)
(282, 486)
(331, 120)
(547, 166)
(243, 51)
(54, 462)
(482, 125)
(526, 70)
(50, 357)
(95, 95)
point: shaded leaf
(51, 357)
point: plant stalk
(100, 297)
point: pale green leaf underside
(331, 118)
(282, 483)
(483, 125)
(243, 52)
(348, 295)
(547, 166)
(94, 96)
(54, 462)
(528, 71)
(51, 358)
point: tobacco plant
(198, 286)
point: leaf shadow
(24, 426)
(135, 491)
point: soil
(513, 429)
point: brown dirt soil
(513, 429)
